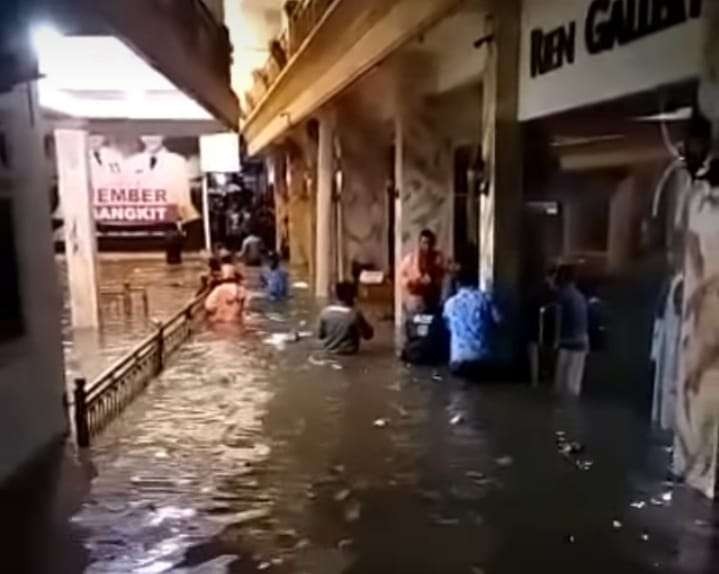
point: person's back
(471, 318)
(574, 319)
(251, 253)
(341, 325)
(275, 279)
(226, 303)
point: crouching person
(342, 326)
(472, 320)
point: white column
(325, 174)
(80, 241)
(398, 223)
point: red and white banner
(121, 203)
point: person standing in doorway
(540, 323)
(573, 333)
(422, 275)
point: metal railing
(123, 297)
(96, 405)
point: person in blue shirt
(472, 319)
(275, 279)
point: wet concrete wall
(31, 373)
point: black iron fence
(97, 404)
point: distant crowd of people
(448, 317)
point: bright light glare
(45, 37)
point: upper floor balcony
(324, 46)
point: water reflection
(247, 456)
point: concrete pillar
(324, 236)
(501, 207)
(624, 223)
(365, 145)
(696, 448)
(80, 241)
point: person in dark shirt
(342, 326)
(573, 333)
(540, 318)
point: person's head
(226, 257)
(215, 264)
(566, 275)
(95, 142)
(346, 293)
(697, 144)
(273, 260)
(427, 241)
(152, 144)
(467, 277)
(550, 275)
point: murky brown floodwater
(249, 456)
(89, 352)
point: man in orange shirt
(421, 275)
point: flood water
(251, 454)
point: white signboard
(580, 52)
(220, 153)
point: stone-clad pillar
(299, 209)
(324, 235)
(697, 424)
(501, 207)
(80, 237)
(423, 172)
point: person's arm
(243, 250)
(242, 298)
(366, 330)
(211, 302)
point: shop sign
(585, 51)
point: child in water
(275, 279)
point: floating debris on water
(645, 536)
(616, 524)
(571, 539)
(475, 475)
(504, 461)
(437, 377)
(445, 521)
(242, 518)
(301, 285)
(343, 495)
(585, 464)
(638, 504)
(380, 423)
(345, 544)
(353, 511)
(457, 419)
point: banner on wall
(141, 184)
